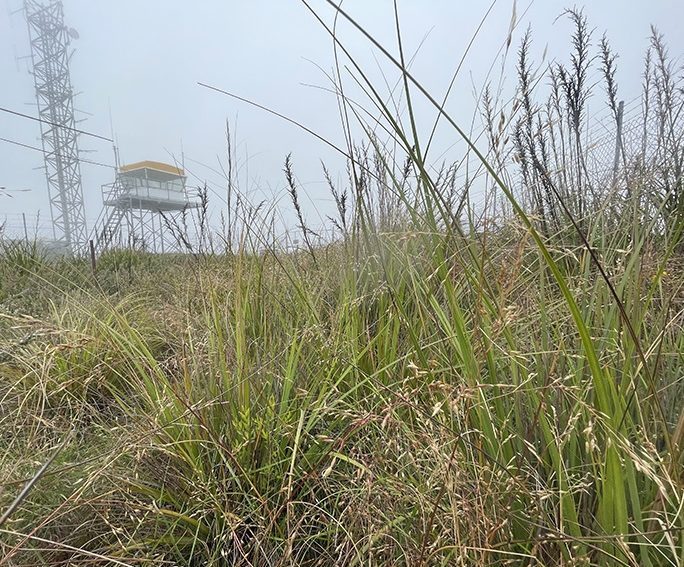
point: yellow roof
(155, 165)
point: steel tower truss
(50, 39)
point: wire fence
(617, 146)
(613, 147)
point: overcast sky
(142, 60)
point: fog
(137, 65)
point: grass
(419, 391)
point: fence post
(618, 141)
(93, 263)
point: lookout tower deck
(148, 185)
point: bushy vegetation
(426, 389)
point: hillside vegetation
(446, 382)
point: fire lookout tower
(141, 207)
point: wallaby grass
(421, 391)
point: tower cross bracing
(50, 39)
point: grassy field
(423, 390)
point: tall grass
(421, 391)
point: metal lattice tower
(50, 40)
